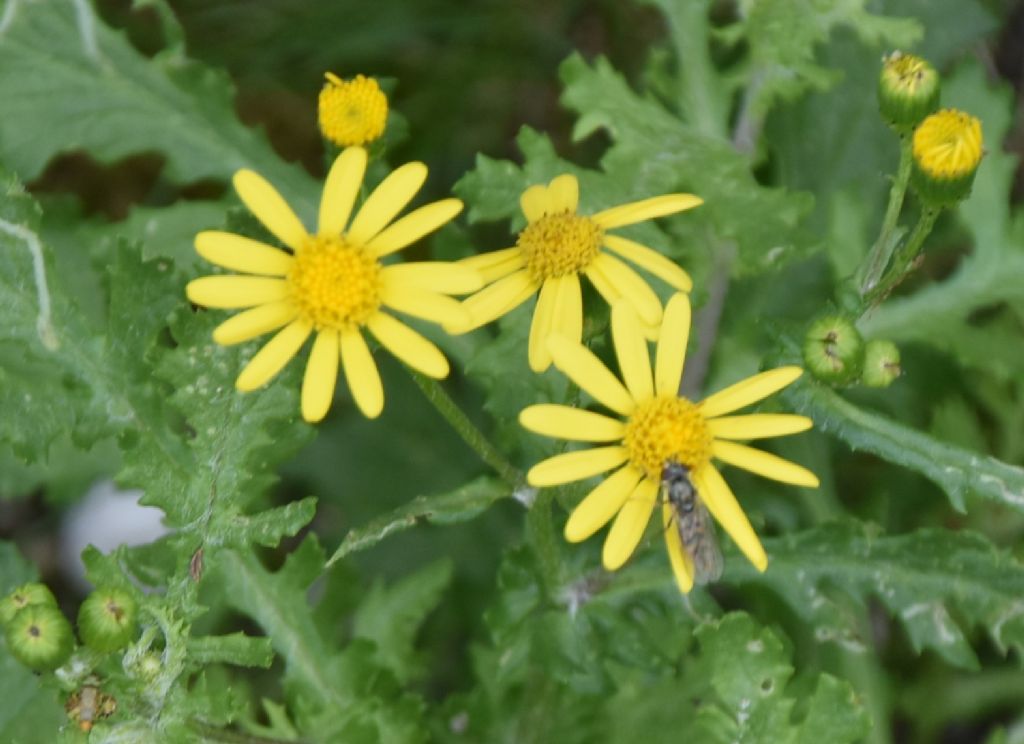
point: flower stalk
(884, 247)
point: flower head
(352, 112)
(947, 149)
(556, 246)
(908, 90)
(334, 284)
(658, 426)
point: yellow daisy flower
(334, 283)
(658, 426)
(556, 246)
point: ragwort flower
(556, 246)
(658, 426)
(333, 283)
(352, 112)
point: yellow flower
(334, 283)
(658, 426)
(555, 247)
(352, 112)
(947, 148)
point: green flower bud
(947, 149)
(25, 596)
(834, 350)
(908, 90)
(108, 619)
(881, 364)
(40, 637)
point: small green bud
(881, 363)
(108, 619)
(947, 147)
(908, 90)
(834, 350)
(40, 637)
(25, 596)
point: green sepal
(108, 619)
(881, 363)
(40, 637)
(833, 350)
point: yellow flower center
(908, 73)
(559, 245)
(335, 285)
(948, 144)
(667, 428)
(352, 112)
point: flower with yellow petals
(658, 426)
(352, 112)
(947, 147)
(334, 283)
(556, 246)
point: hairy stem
(465, 428)
(904, 259)
(881, 252)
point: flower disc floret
(557, 245)
(667, 428)
(333, 284)
(352, 112)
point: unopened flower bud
(40, 637)
(947, 150)
(108, 619)
(881, 363)
(908, 90)
(834, 350)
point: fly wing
(708, 562)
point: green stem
(905, 257)
(883, 248)
(466, 429)
(215, 733)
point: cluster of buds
(836, 353)
(946, 144)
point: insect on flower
(693, 523)
(89, 704)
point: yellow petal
(574, 466)
(271, 359)
(647, 209)
(631, 285)
(230, 291)
(496, 264)
(719, 500)
(650, 260)
(242, 254)
(601, 283)
(269, 208)
(422, 303)
(563, 194)
(341, 189)
(414, 226)
(437, 276)
(255, 322)
(671, 353)
(409, 346)
(565, 422)
(534, 202)
(763, 463)
(749, 391)
(682, 565)
(321, 376)
(386, 201)
(568, 317)
(580, 365)
(361, 374)
(631, 351)
(540, 326)
(628, 527)
(493, 301)
(601, 504)
(758, 426)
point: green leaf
(72, 83)
(460, 505)
(237, 649)
(958, 472)
(391, 616)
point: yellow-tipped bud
(352, 112)
(947, 150)
(908, 90)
